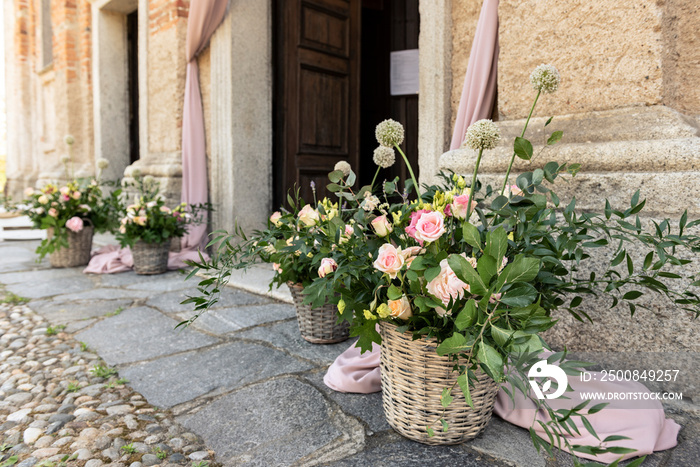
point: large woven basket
(78, 251)
(318, 325)
(413, 378)
(150, 258)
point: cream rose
(389, 260)
(430, 226)
(447, 285)
(43, 199)
(382, 226)
(328, 265)
(400, 308)
(275, 218)
(308, 216)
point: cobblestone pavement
(240, 387)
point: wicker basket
(78, 251)
(413, 377)
(318, 325)
(150, 258)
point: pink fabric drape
(204, 17)
(479, 89)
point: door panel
(317, 91)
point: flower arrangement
(70, 208)
(479, 271)
(148, 219)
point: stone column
(435, 55)
(162, 70)
(241, 120)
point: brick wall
(164, 14)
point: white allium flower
(135, 173)
(370, 202)
(69, 140)
(483, 134)
(65, 159)
(384, 156)
(389, 133)
(102, 163)
(148, 180)
(344, 167)
(545, 78)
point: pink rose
(328, 265)
(409, 254)
(430, 226)
(140, 220)
(64, 190)
(349, 231)
(277, 268)
(447, 285)
(65, 198)
(411, 229)
(389, 260)
(53, 212)
(275, 218)
(382, 226)
(75, 224)
(459, 206)
(77, 195)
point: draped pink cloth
(204, 17)
(479, 89)
(648, 427)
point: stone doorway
(116, 88)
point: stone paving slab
(225, 320)
(160, 283)
(286, 336)
(72, 312)
(46, 283)
(275, 423)
(103, 293)
(225, 367)
(138, 334)
(396, 451)
(366, 407)
(19, 256)
(171, 302)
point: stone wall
(47, 100)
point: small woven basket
(413, 378)
(318, 325)
(150, 258)
(78, 251)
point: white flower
(384, 156)
(370, 203)
(148, 180)
(135, 172)
(102, 163)
(483, 134)
(344, 167)
(389, 133)
(65, 159)
(69, 140)
(545, 78)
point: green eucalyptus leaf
(555, 138)
(471, 235)
(522, 148)
(463, 382)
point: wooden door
(317, 92)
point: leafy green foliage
(102, 371)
